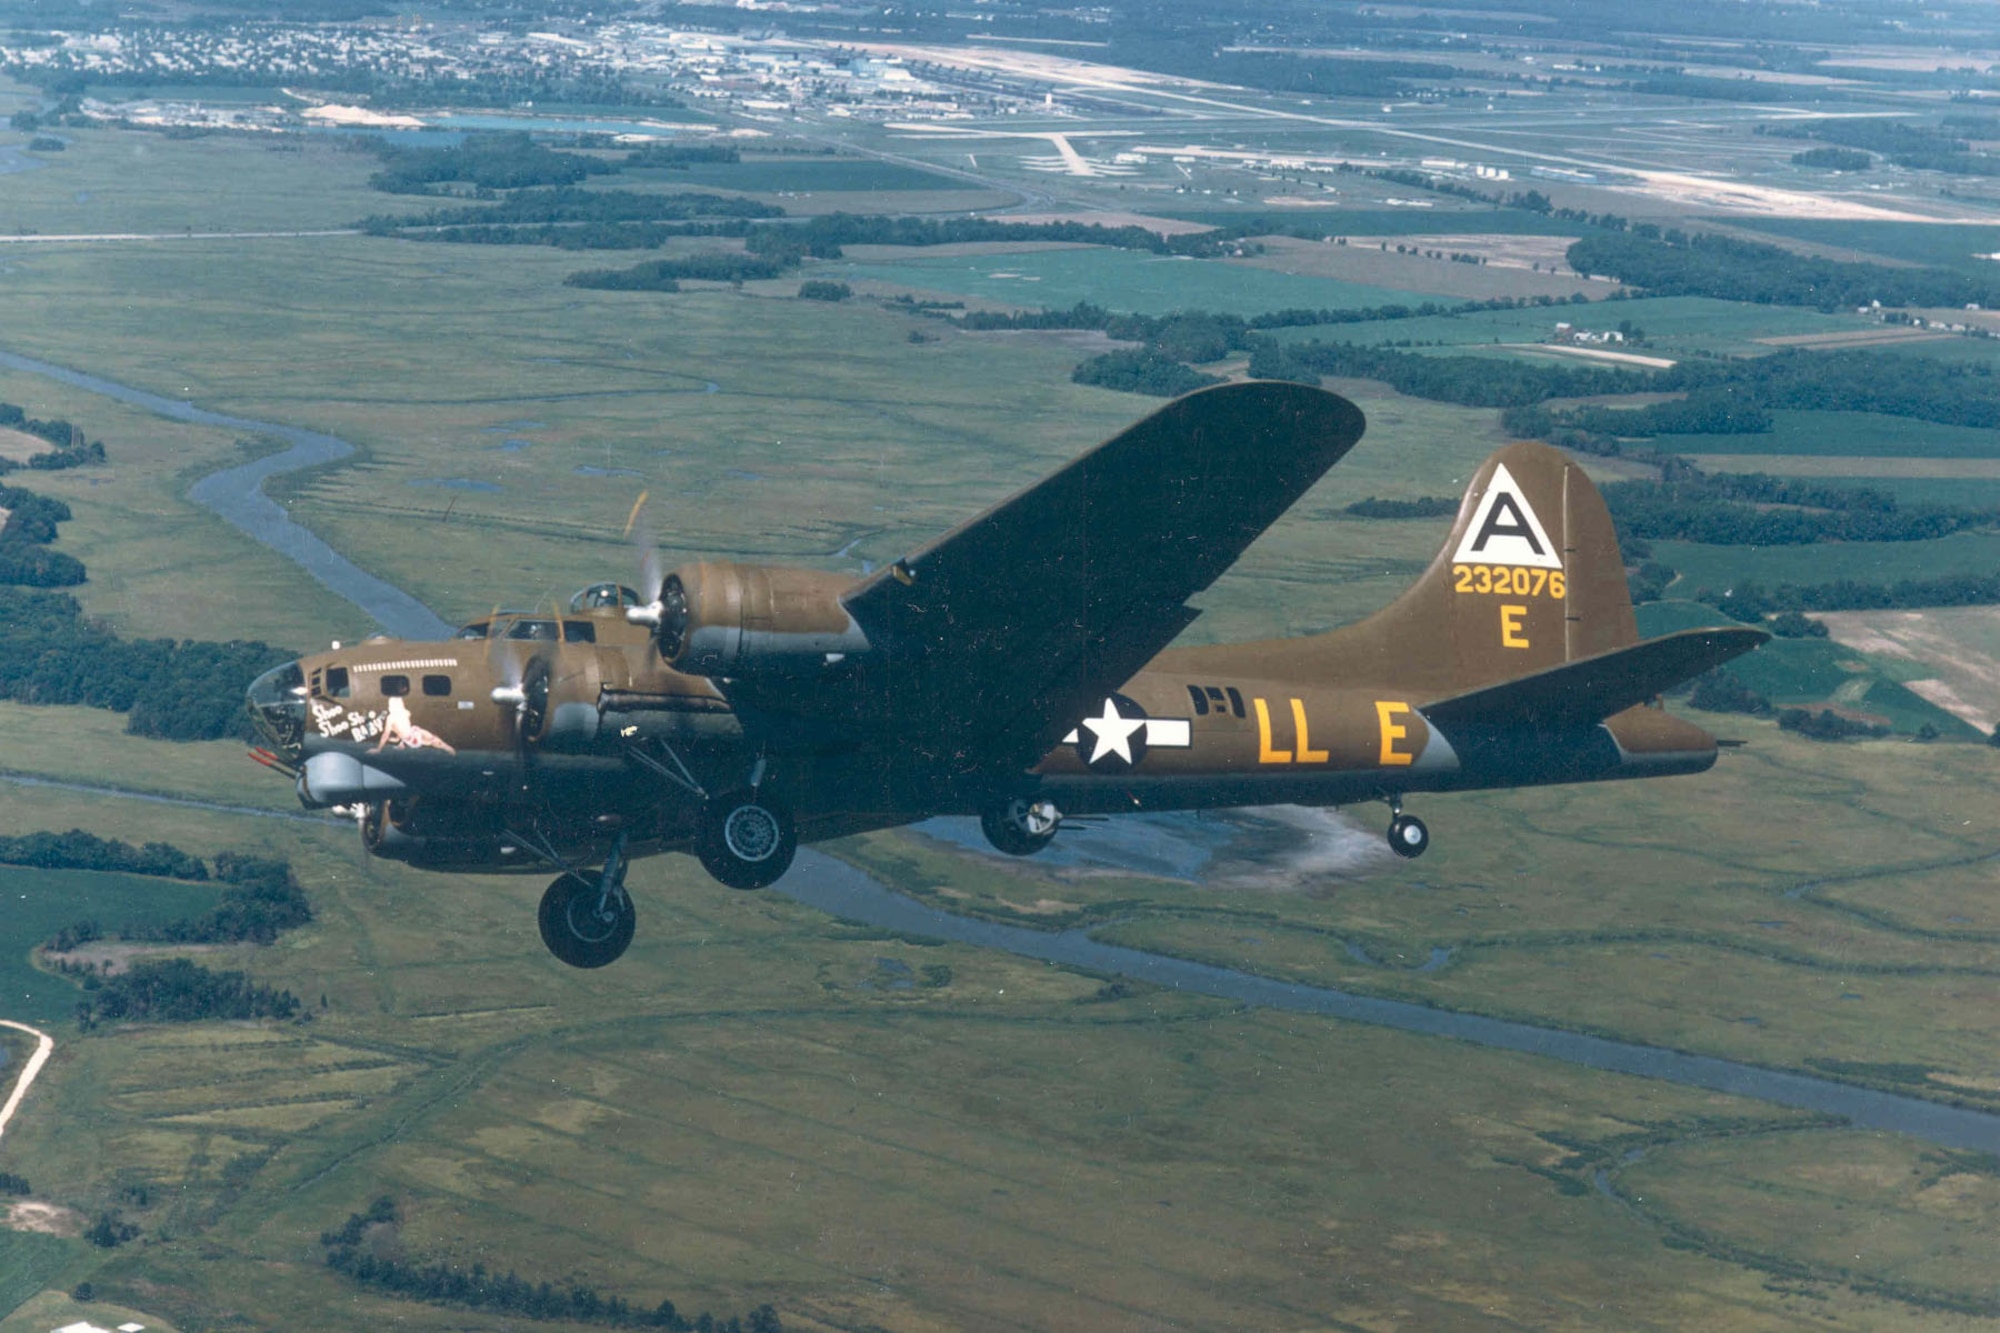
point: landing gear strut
(588, 922)
(1019, 826)
(747, 840)
(1408, 838)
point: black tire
(1008, 827)
(574, 930)
(1408, 838)
(747, 840)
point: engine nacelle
(338, 778)
(723, 619)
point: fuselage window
(336, 682)
(540, 631)
(1235, 702)
(437, 687)
(1199, 698)
(476, 630)
(394, 687)
(579, 631)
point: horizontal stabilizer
(1583, 693)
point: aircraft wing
(994, 638)
(1585, 692)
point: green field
(1944, 492)
(803, 175)
(1673, 325)
(111, 181)
(1910, 242)
(1119, 280)
(29, 1262)
(1440, 221)
(1721, 567)
(1846, 434)
(41, 902)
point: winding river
(237, 495)
(831, 886)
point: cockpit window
(579, 631)
(540, 631)
(437, 687)
(395, 687)
(478, 629)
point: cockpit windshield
(516, 626)
(600, 596)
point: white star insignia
(1113, 733)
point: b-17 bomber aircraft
(1017, 668)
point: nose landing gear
(587, 922)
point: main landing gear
(588, 922)
(747, 840)
(1408, 837)
(1019, 826)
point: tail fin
(1530, 578)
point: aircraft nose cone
(277, 704)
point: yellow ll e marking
(1307, 755)
(1510, 626)
(1392, 732)
(1265, 754)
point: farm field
(1119, 280)
(1864, 435)
(1957, 646)
(112, 181)
(1673, 325)
(41, 902)
(29, 1262)
(1826, 562)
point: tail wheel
(583, 924)
(747, 840)
(1020, 827)
(1408, 837)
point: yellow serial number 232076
(1507, 580)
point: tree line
(666, 275)
(1917, 147)
(1677, 264)
(349, 1253)
(25, 554)
(78, 850)
(176, 990)
(1144, 370)
(1751, 600)
(1428, 506)
(564, 203)
(70, 449)
(184, 689)
(1726, 395)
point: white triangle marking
(1511, 536)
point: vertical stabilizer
(1529, 578)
